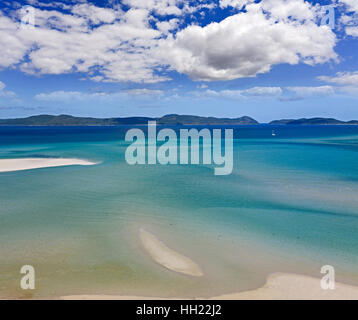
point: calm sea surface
(290, 205)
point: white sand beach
(284, 286)
(9, 165)
(167, 257)
(281, 286)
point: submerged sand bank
(167, 257)
(278, 287)
(9, 165)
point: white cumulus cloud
(250, 43)
(352, 31)
(133, 45)
(352, 5)
(234, 3)
(346, 82)
(342, 78)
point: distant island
(313, 121)
(170, 119)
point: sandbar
(10, 165)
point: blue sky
(267, 59)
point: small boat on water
(273, 133)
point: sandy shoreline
(10, 165)
(280, 286)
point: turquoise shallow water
(290, 205)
